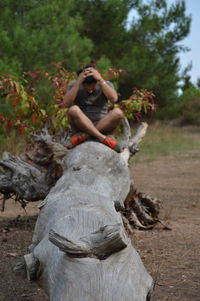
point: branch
(131, 145)
(100, 244)
(141, 210)
(31, 176)
(135, 140)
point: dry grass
(164, 140)
(13, 143)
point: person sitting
(87, 99)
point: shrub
(34, 101)
(190, 108)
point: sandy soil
(171, 257)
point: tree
(190, 105)
(152, 59)
(104, 23)
(35, 33)
(27, 110)
(40, 32)
(198, 83)
(148, 49)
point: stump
(80, 248)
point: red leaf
(21, 128)
(15, 101)
(20, 112)
(9, 124)
(35, 118)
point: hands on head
(93, 77)
(90, 71)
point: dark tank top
(95, 104)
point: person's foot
(75, 140)
(112, 143)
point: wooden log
(100, 244)
(30, 176)
(88, 254)
(80, 248)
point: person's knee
(73, 111)
(117, 113)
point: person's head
(89, 82)
(89, 79)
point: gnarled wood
(100, 244)
(29, 177)
(89, 245)
(79, 236)
(141, 210)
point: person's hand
(92, 72)
(81, 77)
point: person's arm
(71, 94)
(108, 91)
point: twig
(164, 225)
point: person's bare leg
(109, 122)
(83, 123)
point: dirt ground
(171, 257)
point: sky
(192, 40)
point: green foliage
(148, 49)
(198, 83)
(29, 111)
(170, 112)
(139, 103)
(153, 46)
(104, 23)
(34, 33)
(190, 108)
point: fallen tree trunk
(79, 241)
(80, 249)
(29, 177)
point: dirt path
(172, 257)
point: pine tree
(148, 49)
(35, 33)
(153, 47)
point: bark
(141, 210)
(80, 248)
(30, 176)
(80, 240)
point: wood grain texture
(80, 209)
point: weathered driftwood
(29, 177)
(79, 241)
(141, 210)
(80, 248)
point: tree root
(29, 177)
(141, 211)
